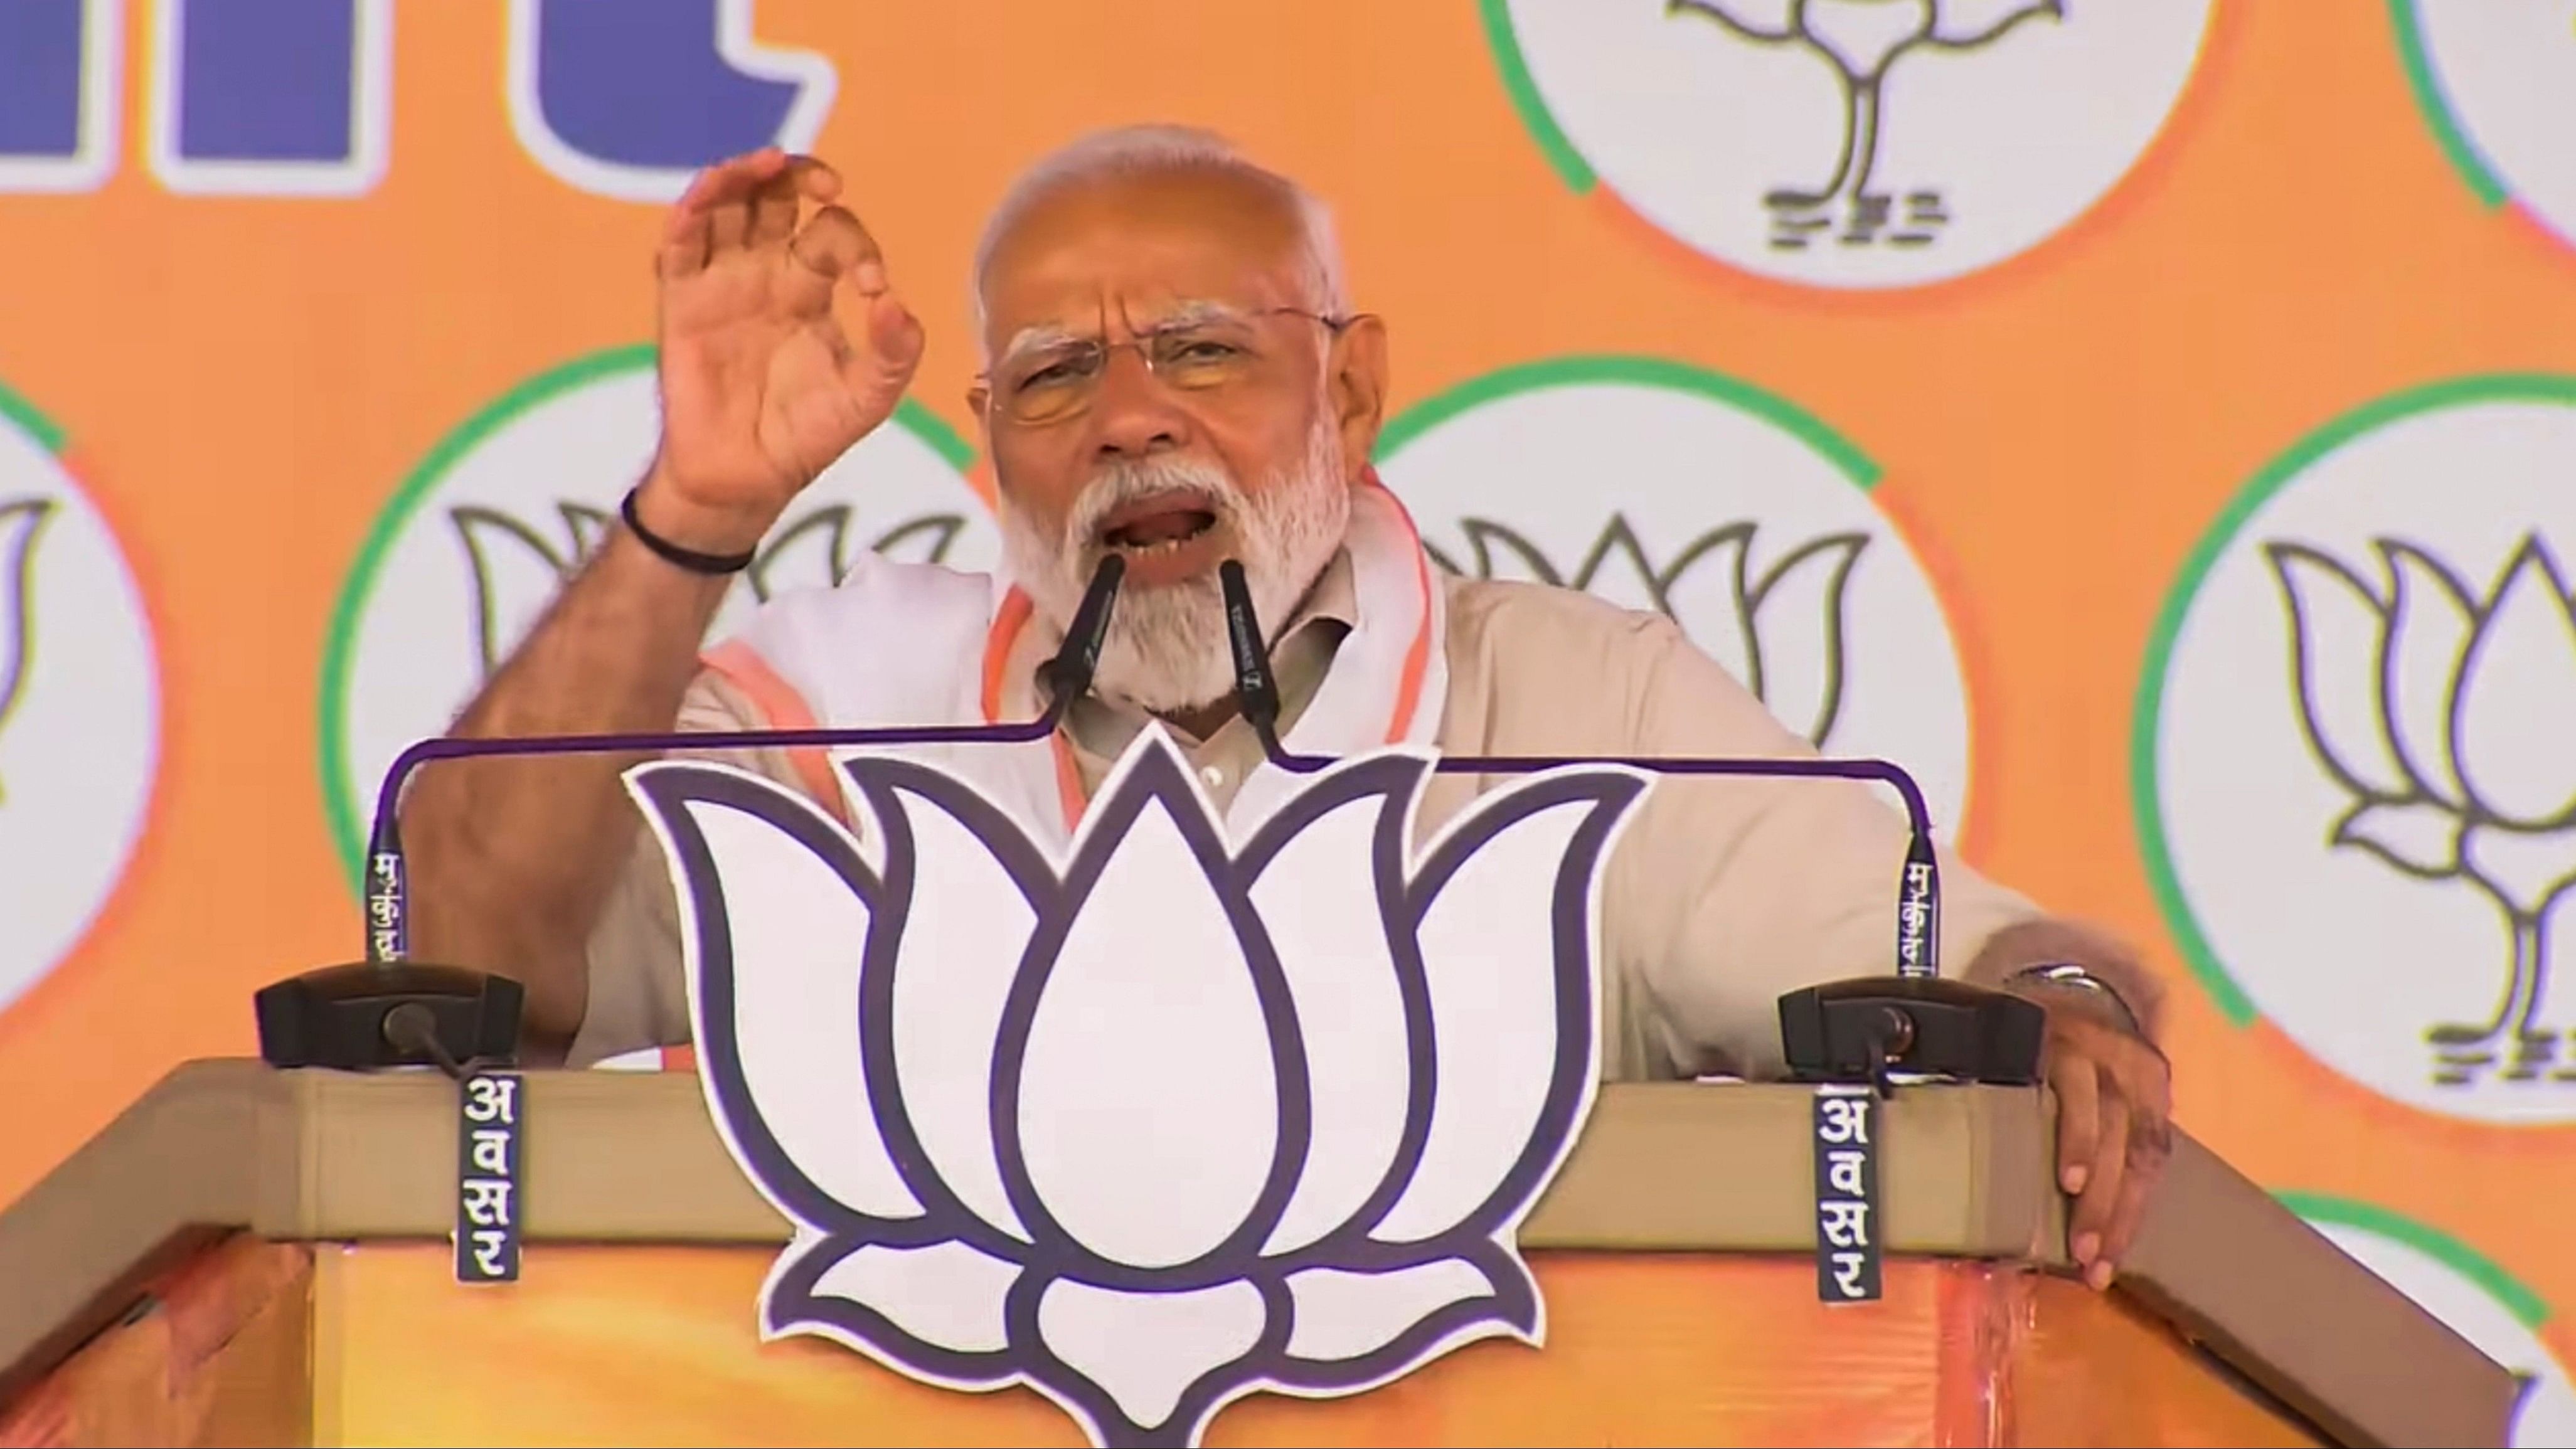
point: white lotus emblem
(20, 521)
(517, 566)
(1859, 40)
(2447, 714)
(1165, 1123)
(1781, 629)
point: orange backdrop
(241, 384)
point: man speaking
(1174, 374)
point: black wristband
(715, 564)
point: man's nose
(1134, 414)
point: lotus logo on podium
(1170, 1118)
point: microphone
(1863, 1030)
(387, 1010)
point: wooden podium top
(224, 1146)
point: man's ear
(1355, 386)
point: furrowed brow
(1039, 338)
(1193, 313)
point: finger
(836, 342)
(684, 246)
(2078, 1088)
(774, 203)
(892, 351)
(2147, 1080)
(737, 189)
(728, 224)
(815, 177)
(2145, 1163)
(836, 243)
(2146, 1086)
(833, 246)
(734, 178)
(2088, 1230)
(727, 183)
(894, 348)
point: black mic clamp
(389, 1011)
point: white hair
(1167, 647)
(1145, 149)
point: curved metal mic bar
(340, 1016)
(1865, 1029)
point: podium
(248, 1256)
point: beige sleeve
(1727, 892)
(638, 988)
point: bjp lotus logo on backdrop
(2353, 759)
(1848, 143)
(2446, 710)
(518, 564)
(2497, 86)
(1659, 486)
(80, 715)
(2472, 1294)
(1166, 1120)
(479, 539)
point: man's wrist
(664, 509)
(2065, 982)
(2020, 957)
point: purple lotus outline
(1056, 897)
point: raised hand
(780, 346)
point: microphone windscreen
(1069, 673)
(1255, 691)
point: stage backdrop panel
(2151, 421)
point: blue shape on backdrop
(267, 80)
(40, 79)
(641, 83)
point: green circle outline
(1522, 87)
(2527, 1307)
(2439, 115)
(18, 408)
(1641, 370)
(1634, 370)
(2147, 709)
(358, 589)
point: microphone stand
(387, 1010)
(1864, 1030)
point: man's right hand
(764, 381)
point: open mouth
(1157, 525)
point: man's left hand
(2114, 1133)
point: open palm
(781, 345)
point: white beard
(1166, 650)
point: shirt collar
(1299, 659)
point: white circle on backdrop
(465, 560)
(80, 707)
(2504, 79)
(2344, 830)
(2445, 1281)
(1663, 479)
(1857, 143)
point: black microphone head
(1255, 691)
(1069, 673)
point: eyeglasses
(1201, 355)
